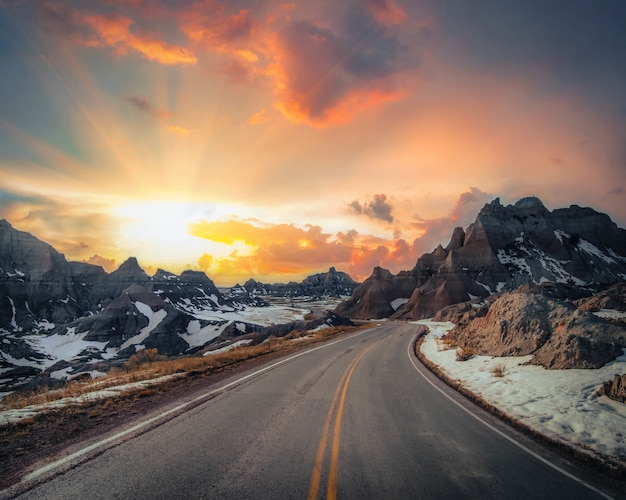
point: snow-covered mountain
(60, 318)
(577, 249)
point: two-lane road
(354, 418)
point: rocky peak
(380, 273)
(504, 248)
(457, 240)
(131, 269)
(532, 205)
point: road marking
(342, 387)
(316, 475)
(82, 455)
(502, 434)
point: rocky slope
(555, 332)
(505, 247)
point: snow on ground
(10, 416)
(610, 314)
(197, 336)
(154, 318)
(264, 316)
(58, 347)
(228, 347)
(397, 303)
(561, 404)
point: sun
(156, 232)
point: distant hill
(317, 286)
(577, 250)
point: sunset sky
(273, 140)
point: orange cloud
(178, 130)
(259, 117)
(284, 249)
(208, 22)
(113, 30)
(322, 77)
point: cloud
(97, 260)
(145, 106)
(111, 30)
(376, 208)
(324, 76)
(282, 248)
(259, 117)
(205, 261)
(616, 191)
(387, 11)
(178, 130)
(208, 22)
(76, 227)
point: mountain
(577, 249)
(59, 318)
(330, 284)
(70, 316)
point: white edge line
(502, 434)
(32, 476)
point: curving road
(354, 418)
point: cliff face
(504, 248)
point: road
(354, 418)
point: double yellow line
(342, 388)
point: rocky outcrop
(615, 389)
(379, 296)
(613, 297)
(576, 249)
(555, 332)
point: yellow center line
(342, 388)
(314, 485)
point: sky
(273, 140)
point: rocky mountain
(60, 318)
(330, 284)
(576, 249)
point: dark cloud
(145, 106)
(616, 191)
(326, 74)
(376, 208)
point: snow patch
(396, 303)
(154, 319)
(562, 404)
(228, 347)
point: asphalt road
(351, 419)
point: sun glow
(159, 233)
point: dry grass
(498, 370)
(148, 364)
(465, 353)
(445, 343)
